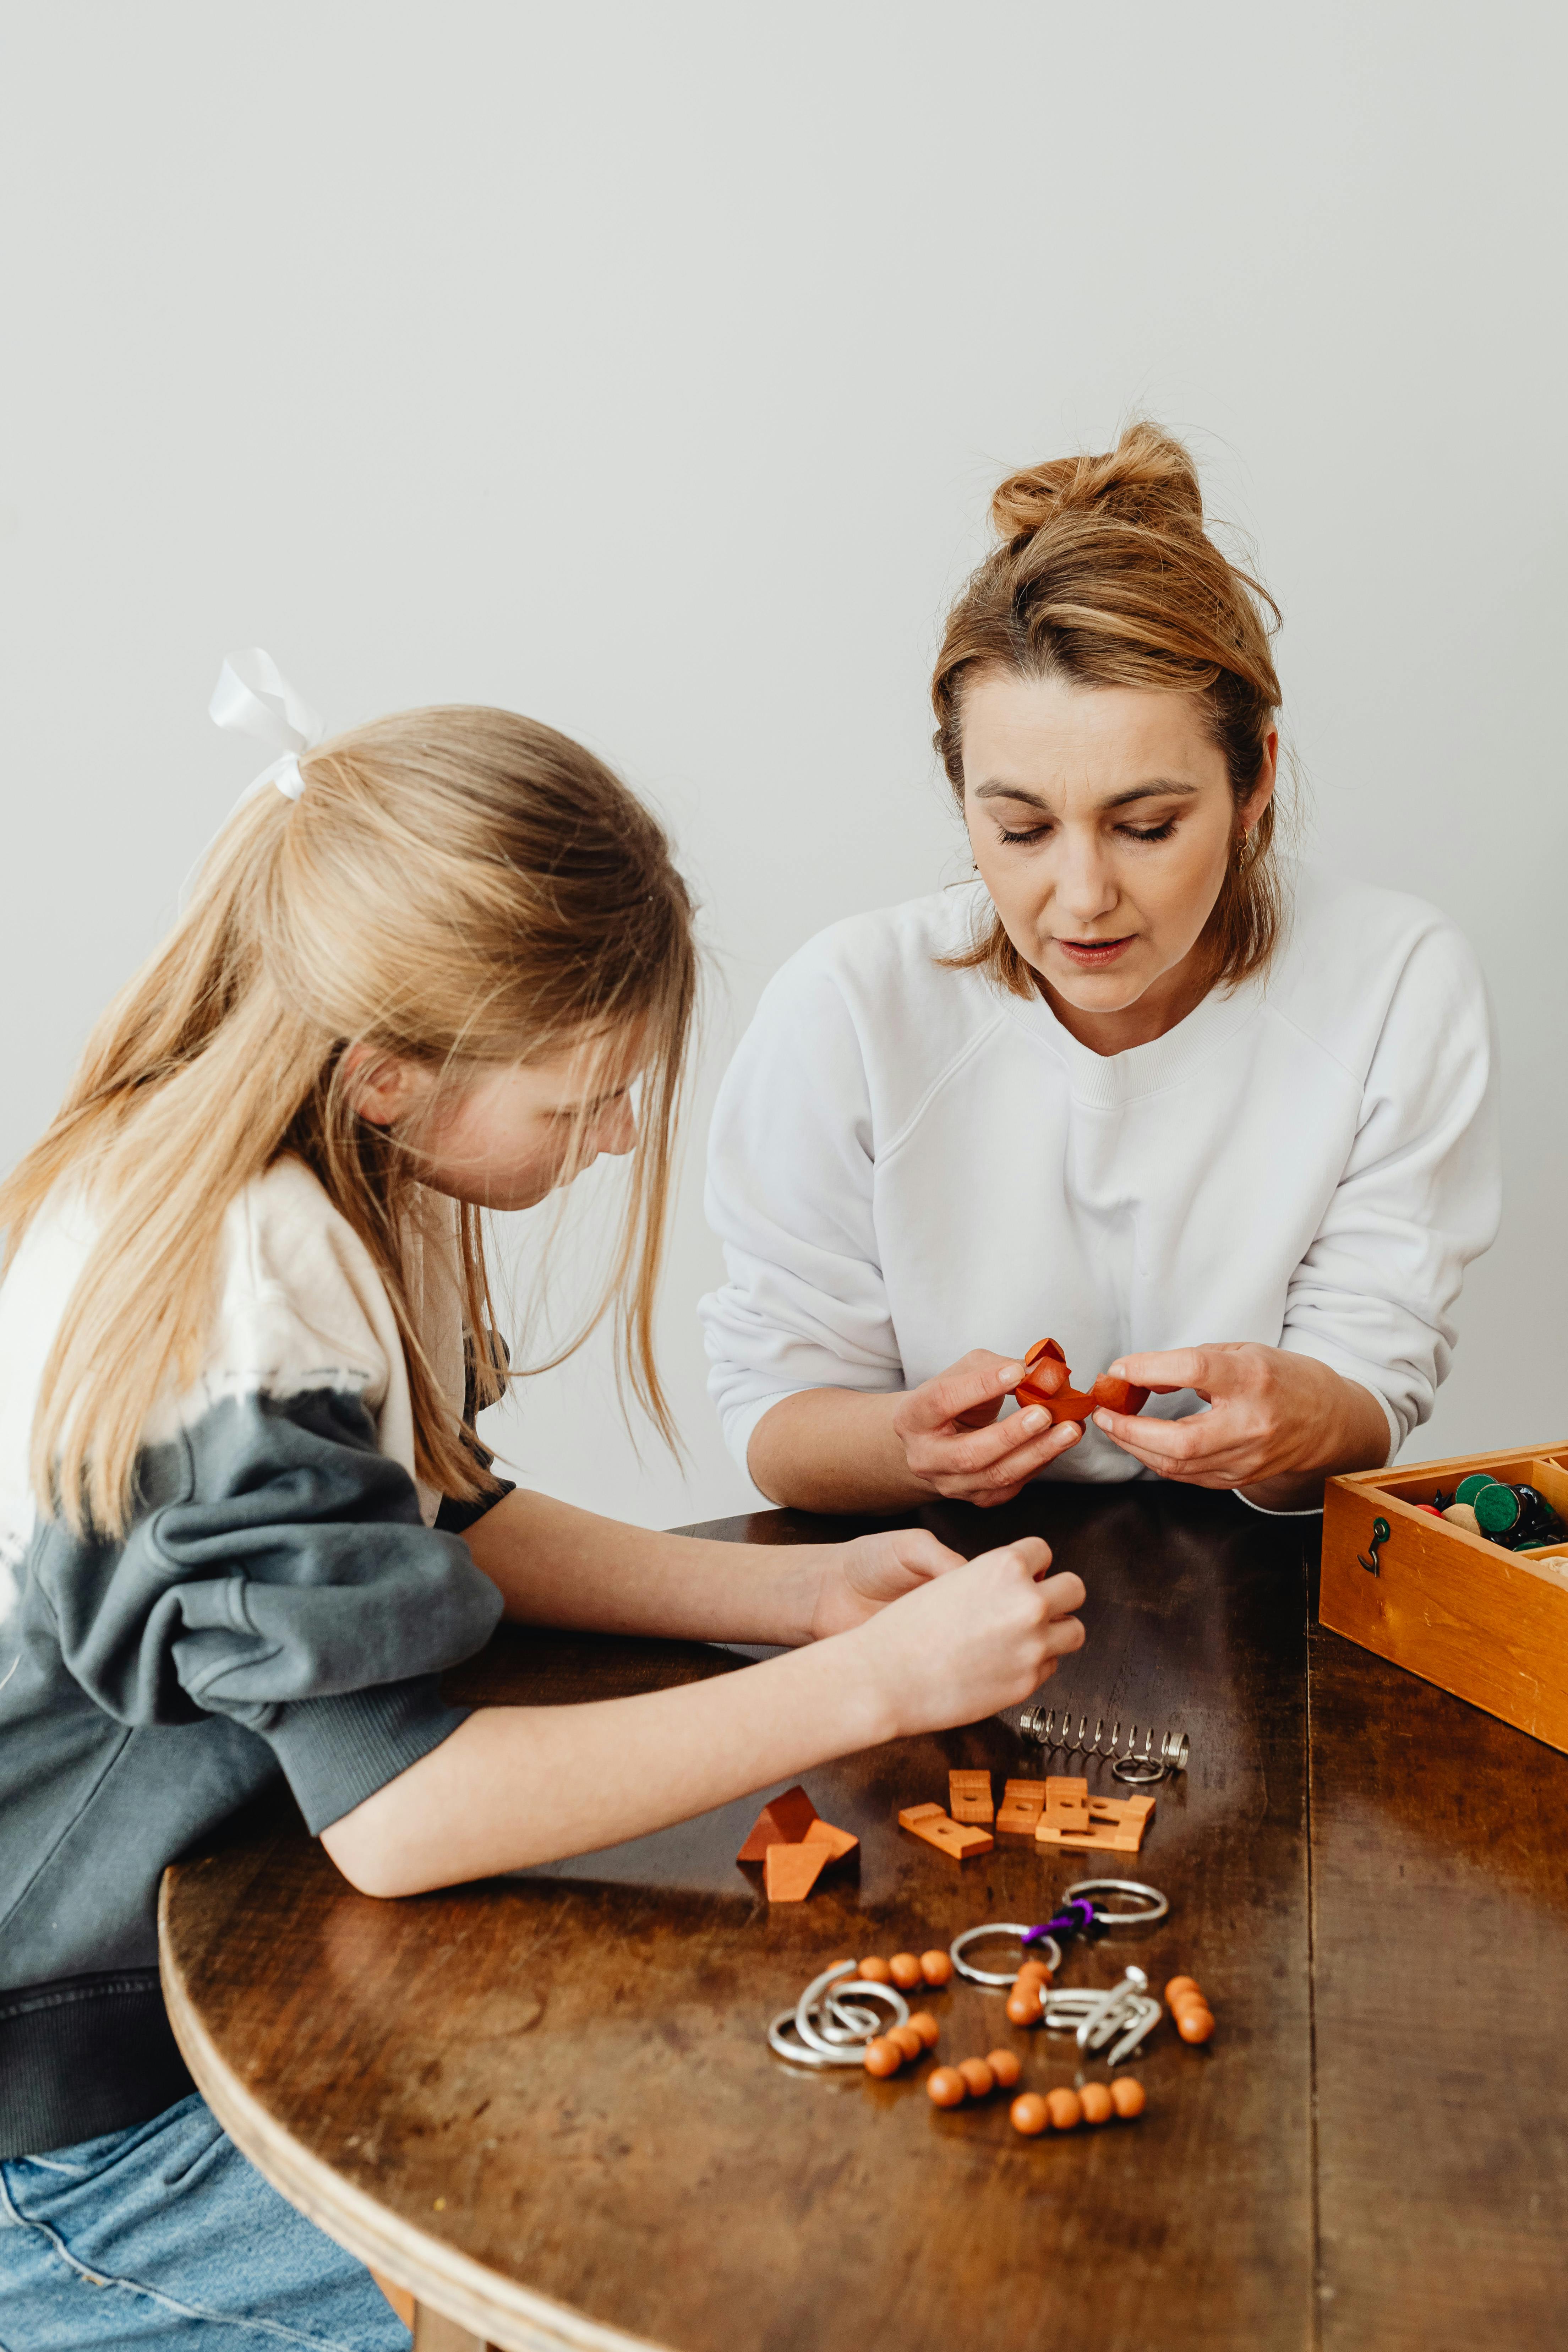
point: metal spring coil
(1039, 1724)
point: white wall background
(648, 368)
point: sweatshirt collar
(1108, 1080)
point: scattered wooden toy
(968, 1798)
(1064, 2110)
(1025, 2001)
(906, 1971)
(1071, 1817)
(957, 1840)
(795, 1846)
(901, 2044)
(1023, 1802)
(1076, 1404)
(973, 2078)
(1192, 2016)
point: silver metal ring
(832, 2040)
(1141, 1770)
(1158, 1904)
(798, 2052)
(1046, 1949)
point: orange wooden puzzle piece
(1023, 1801)
(838, 1841)
(1066, 1801)
(790, 1872)
(1108, 1825)
(957, 1840)
(969, 1797)
(785, 1821)
(1076, 1404)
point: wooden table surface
(546, 2103)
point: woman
(1229, 1134)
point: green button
(1468, 1488)
(1497, 1509)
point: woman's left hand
(1278, 1423)
(860, 1577)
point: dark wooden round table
(545, 2106)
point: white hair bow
(253, 698)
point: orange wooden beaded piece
(874, 1971)
(905, 1971)
(1128, 2096)
(979, 2081)
(1029, 2113)
(1096, 2104)
(1177, 1987)
(1066, 2109)
(936, 1967)
(1035, 1968)
(905, 2039)
(1194, 2022)
(923, 2023)
(946, 2087)
(1006, 2065)
(883, 2057)
(1023, 2004)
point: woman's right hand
(983, 1637)
(955, 1443)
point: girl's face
(508, 1136)
(1102, 821)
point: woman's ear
(382, 1087)
(1262, 792)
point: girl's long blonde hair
(460, 887)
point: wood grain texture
(546, 2105)
(1440, 1934)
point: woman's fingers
(1165, 1371)
(979, 1379)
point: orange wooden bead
(1096, 2104)
(1035, 1968)
(979, 2081)
(1128, 2096)
(1194, 2022)
(905, 2039)
(874, 1971)
(1024, 2007)
(1029, 2113)
(883, 2057)
(905, 1971)
(1177, 1987)
(946, 2087)
(1066, 2109)
(923, 2023)
(1006, 2065)
(936, 1967)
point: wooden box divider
(1489, 1626)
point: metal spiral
(1145, 1762)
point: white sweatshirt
(906, 1163)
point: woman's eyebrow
(1158, 788)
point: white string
(253, 698)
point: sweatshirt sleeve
(789, 1193)
(1421, 1196)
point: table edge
(513, 2317)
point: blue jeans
(163, 2239)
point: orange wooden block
(790, 1872)
(1023, 1802)
(957, 1840)
(784, 1821)
(838, 1841)
(1066, 1801)
(969, 1797)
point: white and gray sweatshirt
(282, 1605)
(906, 1163)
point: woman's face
(1102, 821)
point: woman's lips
(1094, 953)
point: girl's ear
(382, 1087)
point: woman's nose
(1085, 889)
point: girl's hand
(1280, 1422)
(953, 1442)
(859, 1578)
(980, 1637)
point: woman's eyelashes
(1127, 832)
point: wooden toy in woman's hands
(1076, 1404)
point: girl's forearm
(515, 1786)
(833, 1450)
(557, 1565)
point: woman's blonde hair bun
(1148, 481)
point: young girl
(244, 1518)
(1120, 1090)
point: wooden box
(1489, 1626)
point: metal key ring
(1048, 1949)
(800, 2053)
(1090, 1887)
(831, 2040)
(1141, 1770)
